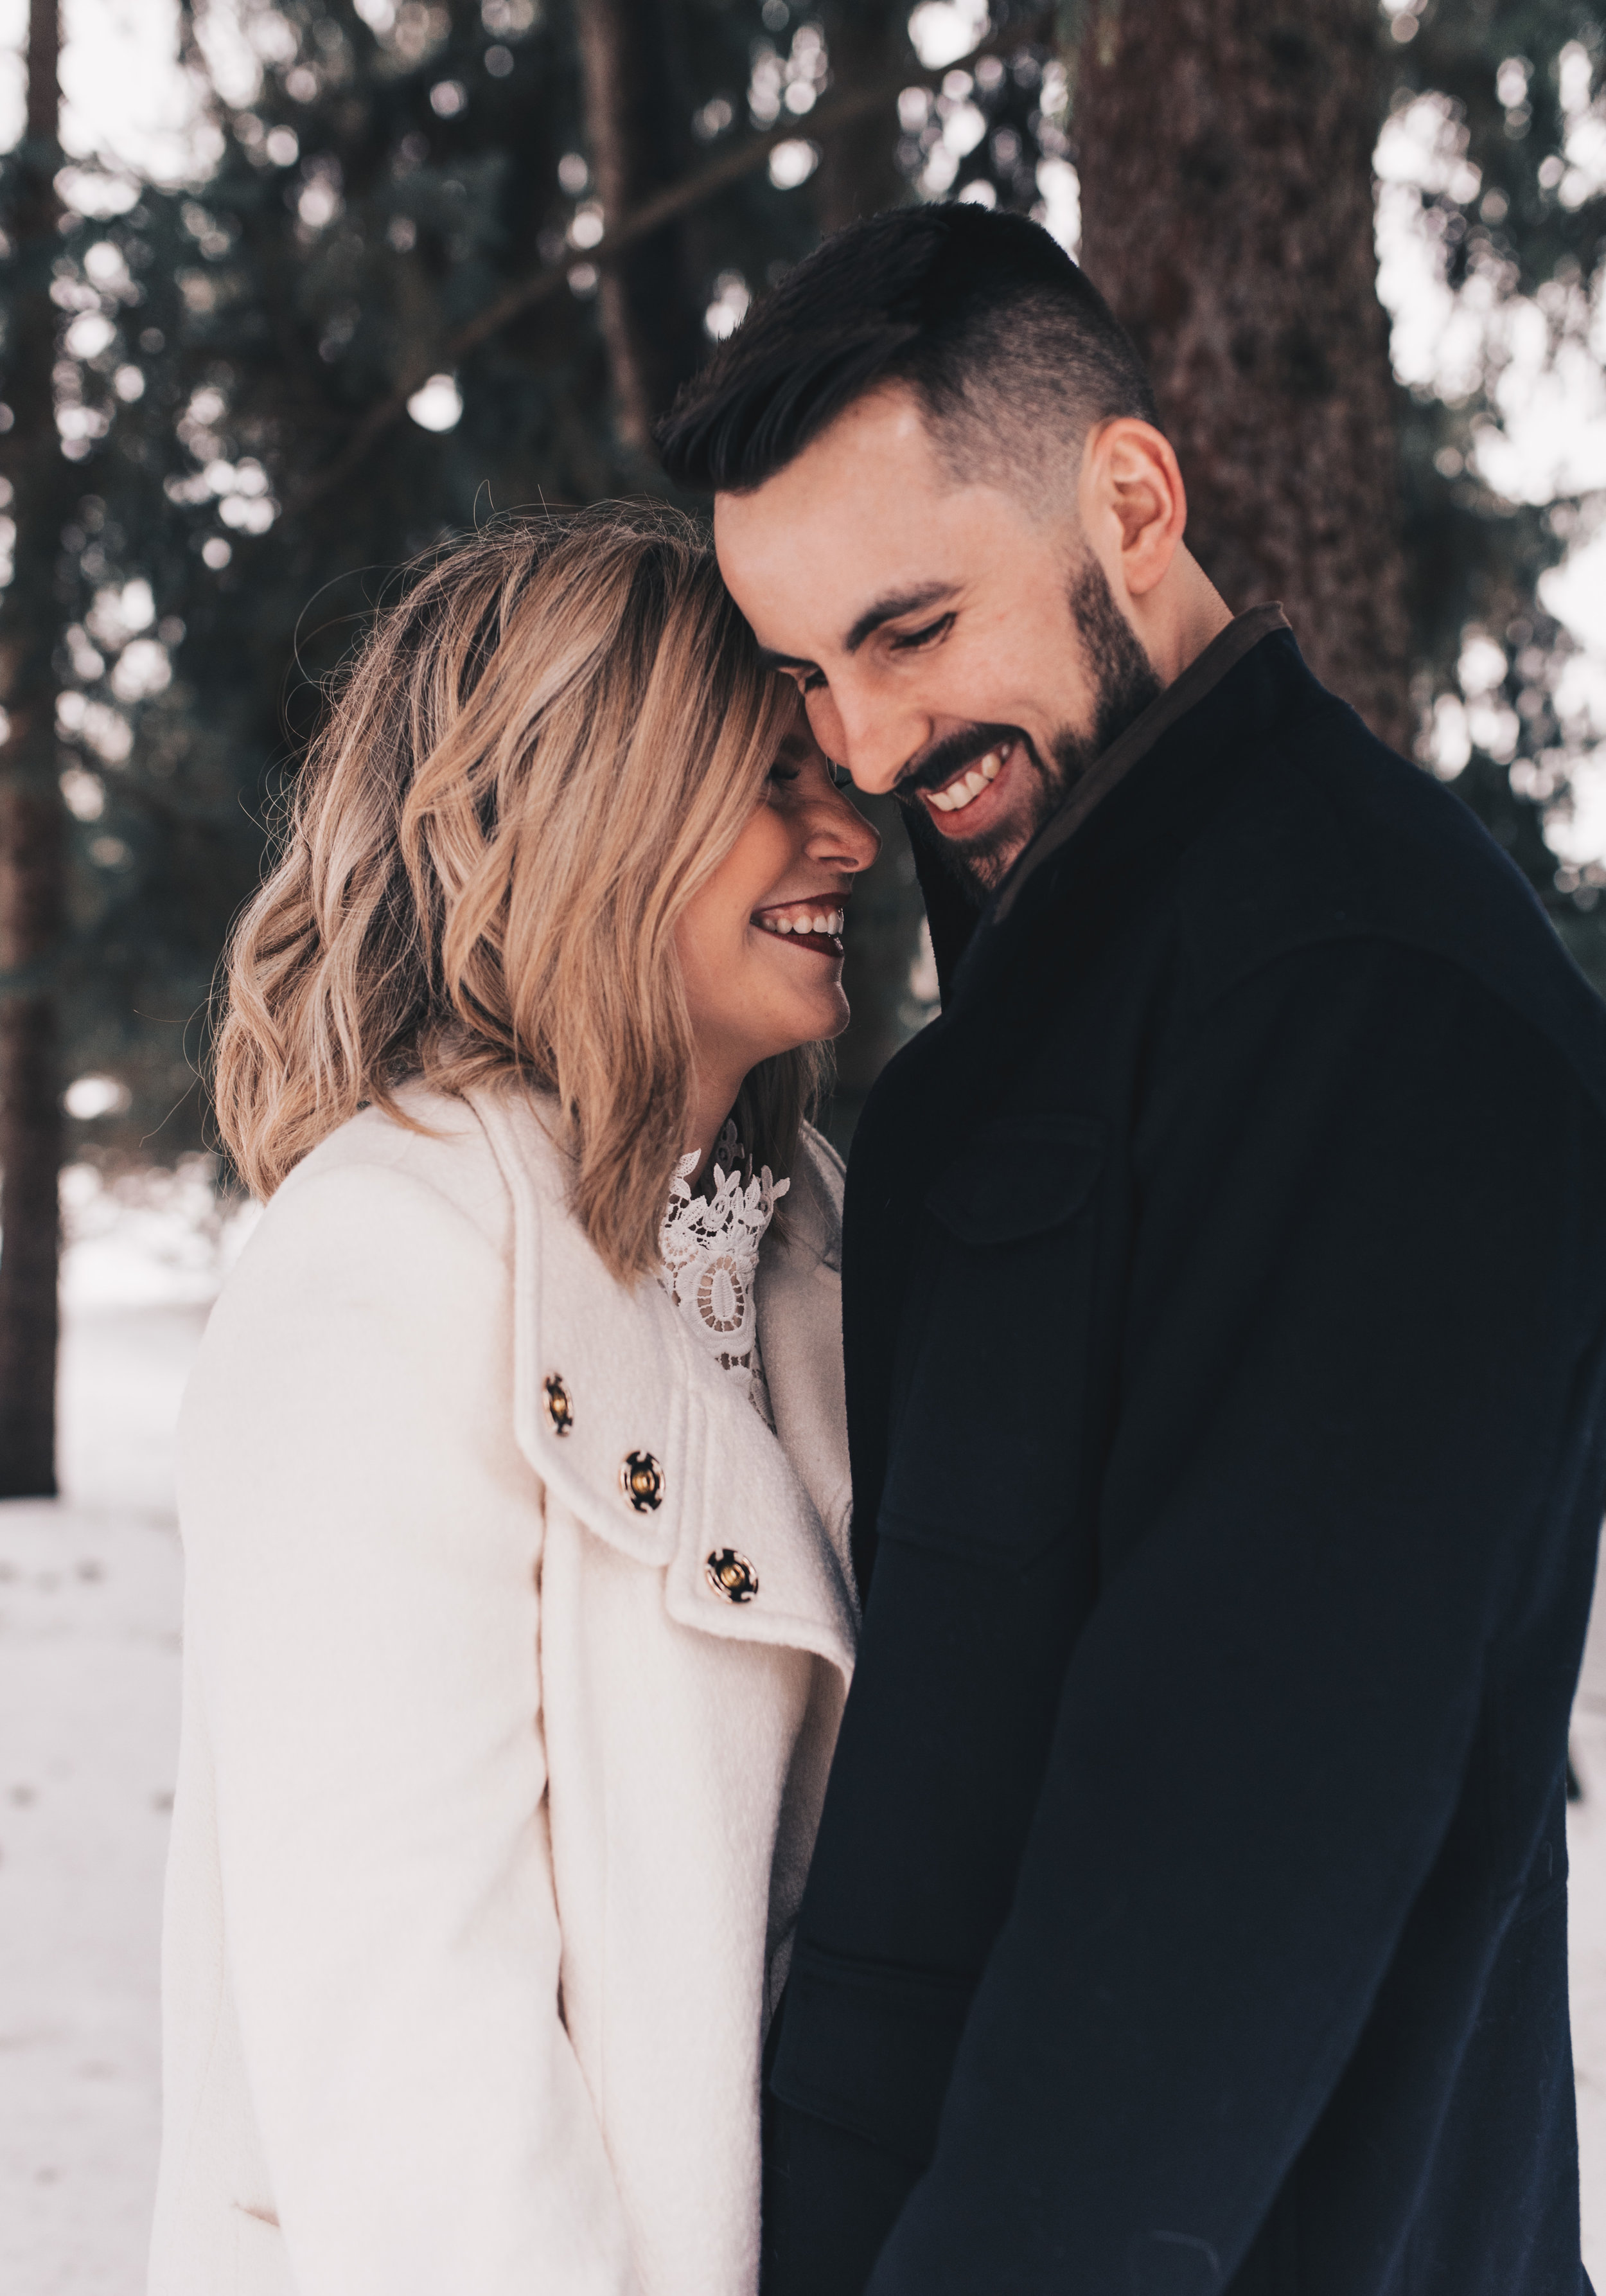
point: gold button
(642, 1480)
(558, 1409)
(732, 1575)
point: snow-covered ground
(89, 1615)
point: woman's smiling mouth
(813, 924)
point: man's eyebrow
(885, 610)
(888, 609)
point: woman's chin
(829, 1017)
(800, 993)
(805, 1022)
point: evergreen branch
(676, 200)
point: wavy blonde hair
(533, 762)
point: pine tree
(1512, 85)
(424, 197)
(1237, 246)
(32, 888)
(1238, 243)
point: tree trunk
(1225, 151)
(858, 174)
(32, 841)
(637, 124)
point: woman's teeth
(962, 793)
(826, 920)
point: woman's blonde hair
(534, 761)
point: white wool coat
(493, 1806)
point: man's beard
(1124, 685)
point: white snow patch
(149, 1238)
(90, 1592)
(90, 1597)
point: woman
(519, 1614)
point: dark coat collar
(954, 921)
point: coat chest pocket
(870, 2047)
(989, 1410)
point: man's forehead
(876, 449)
(795, 567)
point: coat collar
(634, 1388)
(956, 919)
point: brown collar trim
(1225, 650)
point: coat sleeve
(1362, 1303)
(364, 1550)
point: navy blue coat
(1224, 1295)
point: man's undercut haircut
(1006, 342)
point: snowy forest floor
(89, 1618)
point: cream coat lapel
(635, 1390)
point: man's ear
(1133, 501)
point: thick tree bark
(1225, 151)
(857, 173)
(637, 125)
(32, 841)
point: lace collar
(708, 1254)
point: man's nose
(873, 740)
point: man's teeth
(828, 921)
(963, 791)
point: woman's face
(760, 944)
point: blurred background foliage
(389, 305)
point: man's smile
(976, 794)
(970, 784)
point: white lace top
(708, 1254)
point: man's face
(955, 645)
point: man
(1224, 1295)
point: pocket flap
(869, 2046)
(1018, 1177)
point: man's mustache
(944, 759)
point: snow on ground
(89, 1613)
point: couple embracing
(997, 1730)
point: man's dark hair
(1006, 342)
